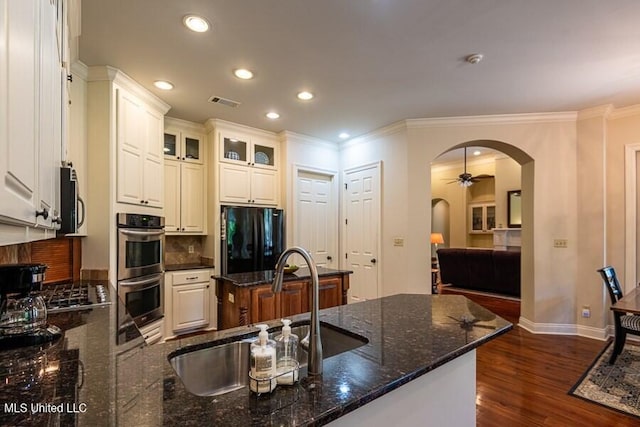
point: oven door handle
(139, 282)
(142, 233)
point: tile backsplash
(177, 250)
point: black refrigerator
(252, 238)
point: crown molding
(107, 73)
(286, 136)
(378, 133)
(213, 124)
(499, 119)
(80, 69)
(619, 113)
(185, 124)
(594, 112)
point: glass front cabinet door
(482, 218)
(183, 146)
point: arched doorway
(526, 164)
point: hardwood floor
(523, 378)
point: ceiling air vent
(223, 101)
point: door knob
(373, 260)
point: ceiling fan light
(465, 183)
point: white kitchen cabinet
(247, 151)
(248, 170)
(185, 198)
(242, 185)
(190, 306)
(140, 161)
(482, 218)
(182, 144)
(188, 301)
(185, 177)
(114, 102)
(31, 108)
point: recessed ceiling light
(272, 115)
(305, 96)
(243, 73)
(344, 135)
(477, 153)
(163, 84)
(196, 23)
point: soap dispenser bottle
(262, 377)
(286, 352)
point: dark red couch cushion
(481, 269)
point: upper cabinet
(183, 144)
(482, 217)
(245, 151)
(32, 80)
(248, 166)
(140, 160)
(185, 178)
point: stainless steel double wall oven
(141, 266)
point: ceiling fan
(465, 179)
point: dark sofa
(481, 270)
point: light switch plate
(232, 299)
(398, 241)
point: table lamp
(437, 239)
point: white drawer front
(191, 276)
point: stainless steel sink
(224, 368)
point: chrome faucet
(311, 343)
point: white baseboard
(565, 329)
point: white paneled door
(362, 224)
(317, 217)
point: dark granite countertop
(262, 277)
(189, 266)
(134, 384)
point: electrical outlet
(560, 243)
(586, 311)
(398, 241)
(191, 249)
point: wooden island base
(243, 300)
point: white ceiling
(371, 62)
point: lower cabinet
(190, 306)
(244, 305)
(188, 301)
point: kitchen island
(246, 298)
(413, 343)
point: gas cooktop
(74, 297)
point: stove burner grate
(73, 296)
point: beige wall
(549, 274)
(390, 148)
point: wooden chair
(624, 323)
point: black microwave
(72, 209)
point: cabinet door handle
(142, 202)
(44, 213)
(329, 258)
(373, 261)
